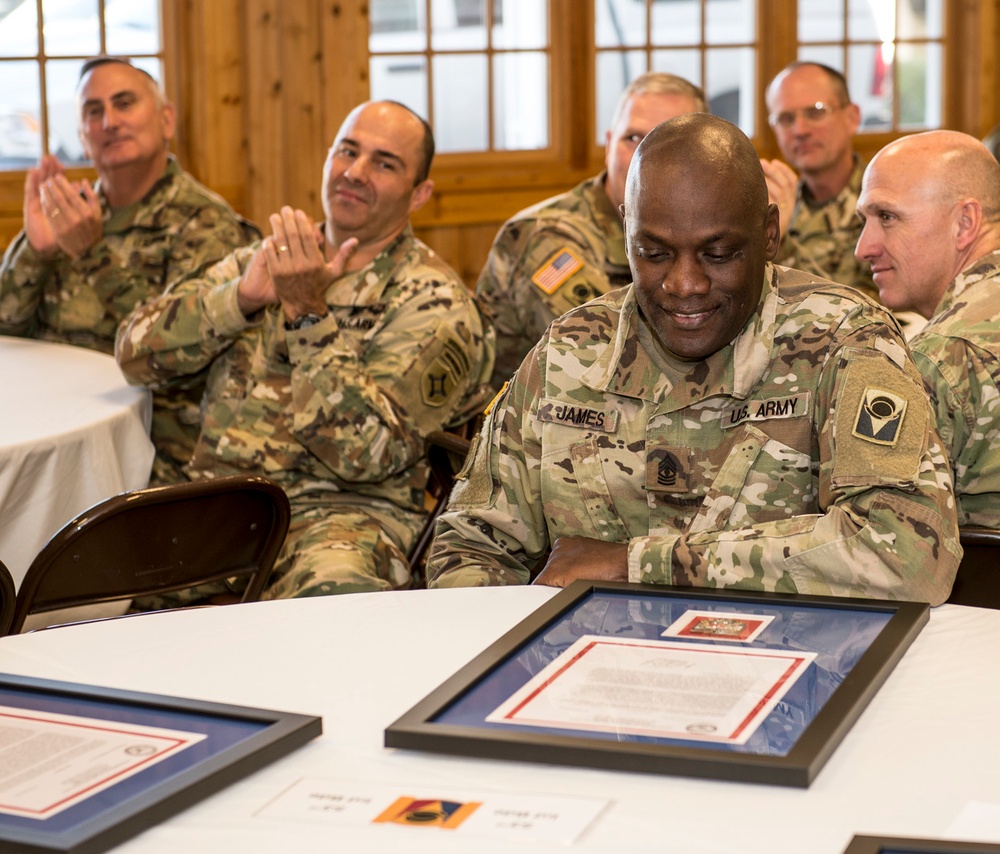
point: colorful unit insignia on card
(428, 813)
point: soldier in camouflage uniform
(331, 355)
(814, 122)
(566, 250)
(931, 209)
(88, 256)
(701, 428)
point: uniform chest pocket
(578, 498)
(760, 480)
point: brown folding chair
(158, 540)
(978, 579)
(446, 453)
(6, 599)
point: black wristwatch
(304, 321)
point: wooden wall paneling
(775, 49)
(262, 58)
(344, 32)
(205, 77)
(302, 90)
(11, 206)
(464, 247)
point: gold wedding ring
(282, 248)
(54, 213)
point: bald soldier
(332, 352)
(931, 210)
(87, 256)
(566, 250)
(701, 428)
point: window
(712, 43)
(482, 70)
(43, 44)
(477, 70)
(891, 52)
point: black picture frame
(451, 719)
(237, 741)
(862, 844)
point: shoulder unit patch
(880, 417)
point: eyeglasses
(814, 114)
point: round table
(73, 433)
(922, 750)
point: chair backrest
(446, 452)
(6, 599)
(157, 540)
(978, 579)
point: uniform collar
(142, 213)
(626, 368)
(608, 220)
(986, 267)
(365, 287)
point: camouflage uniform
(336, 413)
(179, 227)
(548, 259)
(958, 354)
(761, 467)
(820, 239)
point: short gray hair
(660, 83)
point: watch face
(305, 321)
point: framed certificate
(905, 845)
(754, 687)
(84, 768)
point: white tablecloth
(924, 748)
(72, 433)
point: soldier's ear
(969, 221)
(772, 232)
(168, 121)
(420, 195)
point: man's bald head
(700, 143)
(931, 206)
(698, 232)
(947, 166)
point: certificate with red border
(664, 689)
(49, 762)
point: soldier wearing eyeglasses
(817, 189)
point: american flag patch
(556, 270)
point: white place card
(521, 816)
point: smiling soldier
(747, 439)
(332, 351)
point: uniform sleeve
(201, 239)
(536, 271)
(182, 331)
(23, 274)
(119, 272)
(963, 383)
(885, 527)
(888, 521)
(943, 365)
(494, 531)
(365, 411)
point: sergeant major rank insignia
(880, 417)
